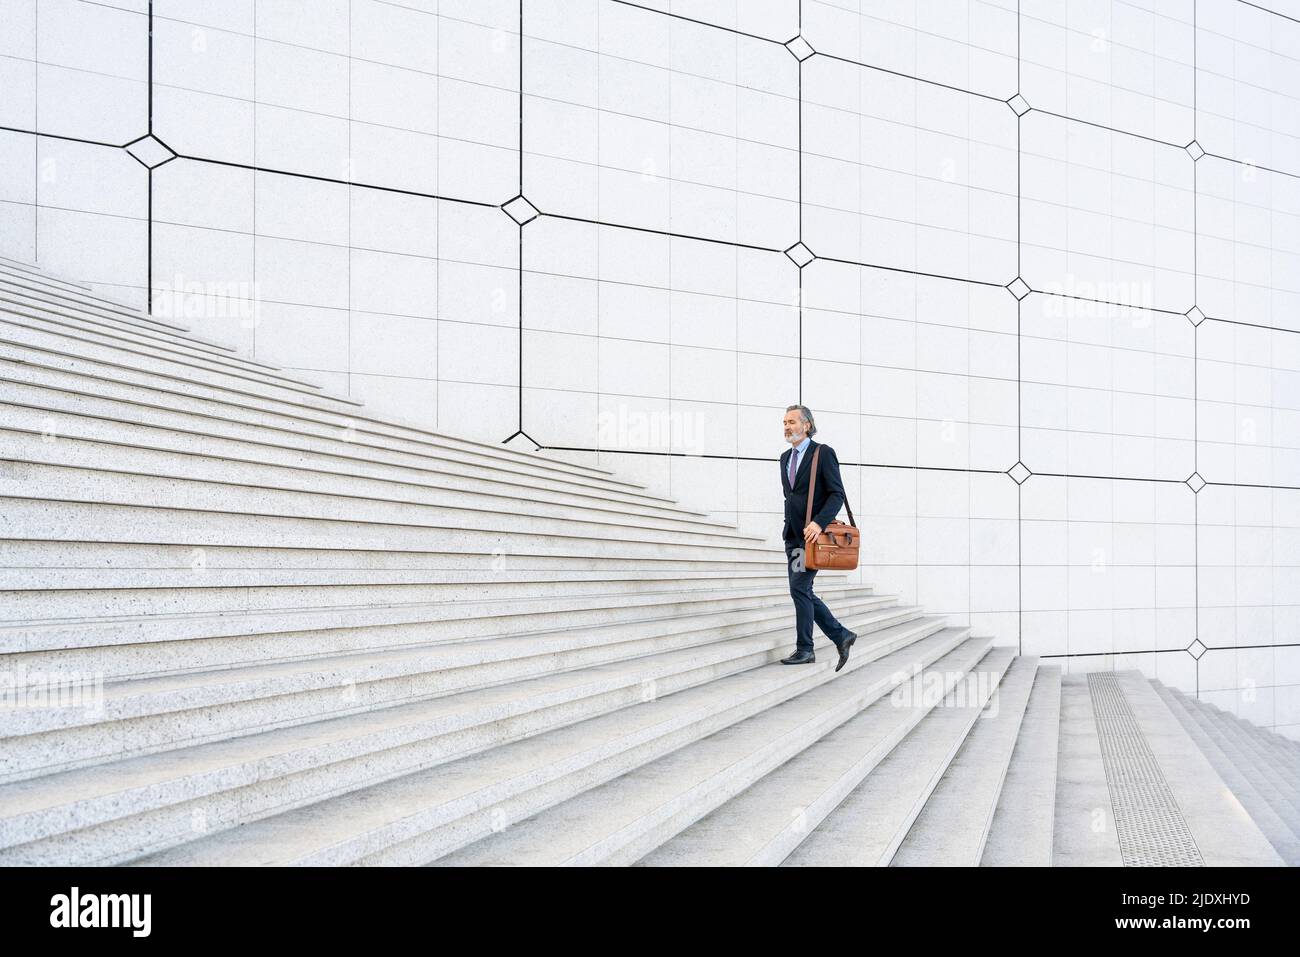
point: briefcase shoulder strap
(812, 487)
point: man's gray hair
(806, 414)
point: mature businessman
(796, 472)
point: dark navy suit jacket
(827, 499)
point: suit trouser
(808, 608)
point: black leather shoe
(800, 658)
(844, 647)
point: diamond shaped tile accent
(1194, 150)
(1019, 104)
(522, 440)
(1019, 472)
(800, 48)
(1195, 315)
(1196, 649)
(150, 151)
(1019, 288)
(800, 254)
(520, 210)
(1195, 482)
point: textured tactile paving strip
(1151, 829)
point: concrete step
(58, 308)
(35, 605)
(1217, 833)
(233, 504)
(1272, 744)
(149, 715)
(1284, 840)
(766, 823)
(59, 353)
(210, 640)
(460, 582)
(145, 715)
(1245, 762)
(953, 827)
(1084, 829)
(130, 523)
(31, 312)
(17, 333)
(871, 821)
(353, 805)
(1021, 833)
(77, 553)
(629, 817)
(26, 276)
(1262, 765)
(34, 520)
(240, 501)
(125, 465)
(206, 408)
(59, 414)
(1254, 741)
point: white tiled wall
(334, 208)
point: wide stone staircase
(245, 622)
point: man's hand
(811, 531)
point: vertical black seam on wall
(148, 241)
(351, 171)
(1020, 487)
(520, 425)
(799, 150)
(1196, 328)
(36, 146)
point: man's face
(795, 427)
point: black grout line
(150, 92)
(913, 272)
(337, 182)
(705, 239)
(1109, 129)
(916, 79)
(798, 130)
(1020, 490)
(70, 139)
(520, 277)
(1196, 567)
(1157, 651)
(148, 287)
(521, 102)
(351, 193)
(660, 232)
(1266, 169)
(36, 147)
(703, 23)
(965, 470)
(1267, 10)
(519, 268)
(253, 244)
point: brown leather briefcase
(836, 548)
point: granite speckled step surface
(557, 730)
(142, 715)
(1238, 772)
(252, 623)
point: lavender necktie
(794, 457)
